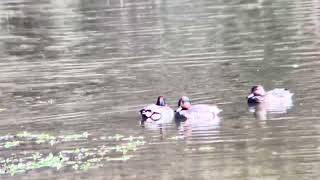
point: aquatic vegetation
(77, 158)
(36, 156)
(24, 134)
(21, 167)
(85, 166)
(15, 168)
(50, 161)
(80, 150)
(39, 138)
(116, 137)
(130, 146)
(43, 137)
(10, 144)
(74, 137)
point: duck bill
(251, 95)
(179, 109)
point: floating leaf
(74, 137)
(36, 156)
(94, 160)
(81, 158)
(85, 166)
(116, 137)
(11, 144)
(24, 134)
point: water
(71, 66)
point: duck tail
(215, 109)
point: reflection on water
(89, 66)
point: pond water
(74, 66)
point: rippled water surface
(70, 66)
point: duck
(196, 112)
(278, 100)
(158, 113)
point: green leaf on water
(45, 137)
(77, 151)
(74, 137)
(24, 134)
(81, 158)
(36, 156)
(10, 144)
(94, 160)
(85, 166)
(116, 137)
(40, 138)
(51, 161)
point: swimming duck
(157, 113)
(197, 112)
(278, 100)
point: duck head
(161, 101)
(257, 94)
(258, 90)
(184, 103)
